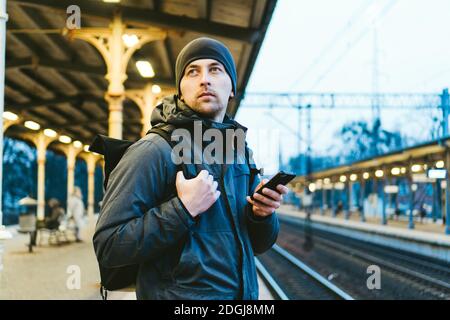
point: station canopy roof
(424, 153)
(60, 82)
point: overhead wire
(336, 38)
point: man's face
(206, 88)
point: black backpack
(113, 150)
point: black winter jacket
(143, 222)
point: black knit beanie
(205, 48)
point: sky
(337, 47)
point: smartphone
(280, 178)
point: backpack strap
(112, 149)
(165, 132)
(103, 292)
(254, 171)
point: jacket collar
(175, 112)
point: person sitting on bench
(56, 213)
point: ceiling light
(50, 133)
(65, 139)
(32, 125)
(156, 89)
(77, 144)
(130, 40)
(440, 164)
(145, 69)
(10, 115)
(379, 173)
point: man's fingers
(273, 194)
(266, 201)
(260, 207)
(262, 182)
(203, 174)
(254, 203)
(180, 176)
(282, 189)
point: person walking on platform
(75, 211)
(190, 229)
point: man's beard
(210, 112)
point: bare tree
(362, 141)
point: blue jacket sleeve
(136, 223)
(263, 232)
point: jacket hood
(175, 112)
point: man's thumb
(180, 176)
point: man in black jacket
(193, 234)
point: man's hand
(265, 205)
(197, 194)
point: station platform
(426, 225)
(44, 273)
(425, 239)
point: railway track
(288, 278)
(407, 275)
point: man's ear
(231, 96)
